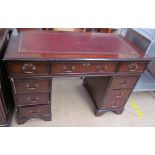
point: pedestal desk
(109, 65)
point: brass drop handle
(29, 68)
(29, 86)
(115, 104)
(101, 68)
(132, 67)
(69, 69)
(32, 99)
(87, 64)
(124, 82)
(119, 94)
(34, 111)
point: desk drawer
(32, 85)
(32, 98)
(32, 111)
(115, 98)
(118, 94)
(132, 67)
(29, 68)
(110, 104)
(85, 67)
(123, 82)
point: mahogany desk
(109, 64)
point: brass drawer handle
(101, 68)
(29, 86)
(119, 94)
(32, 99)
(87, 64)
(29, 68)
(132, 67)
(115, 104)
(124, 83)
(69, 69)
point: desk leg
(21, 120)
(46, 118)
(120, 111)
(98, 112)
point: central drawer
(24, 99)
(32, 85)
(83, 67)
(32, 111)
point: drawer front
(32, 111)
(123, 82)
(32, 85)
(85, 67)
(132, 67)
(110, 104)
(32, 98)
(29, 68)
(118, 94)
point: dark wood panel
(33, 111)
(6, 98)
(123, 82)
(97, 87)
(4, 38)
(32, 98)
(85, 68)
(105, 98)
(2, 120)
(29, 68)
(32, 85)
(112, 104)
(117, 94)
(132, 67)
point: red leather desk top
(46, 45)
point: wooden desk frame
(109, 78)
